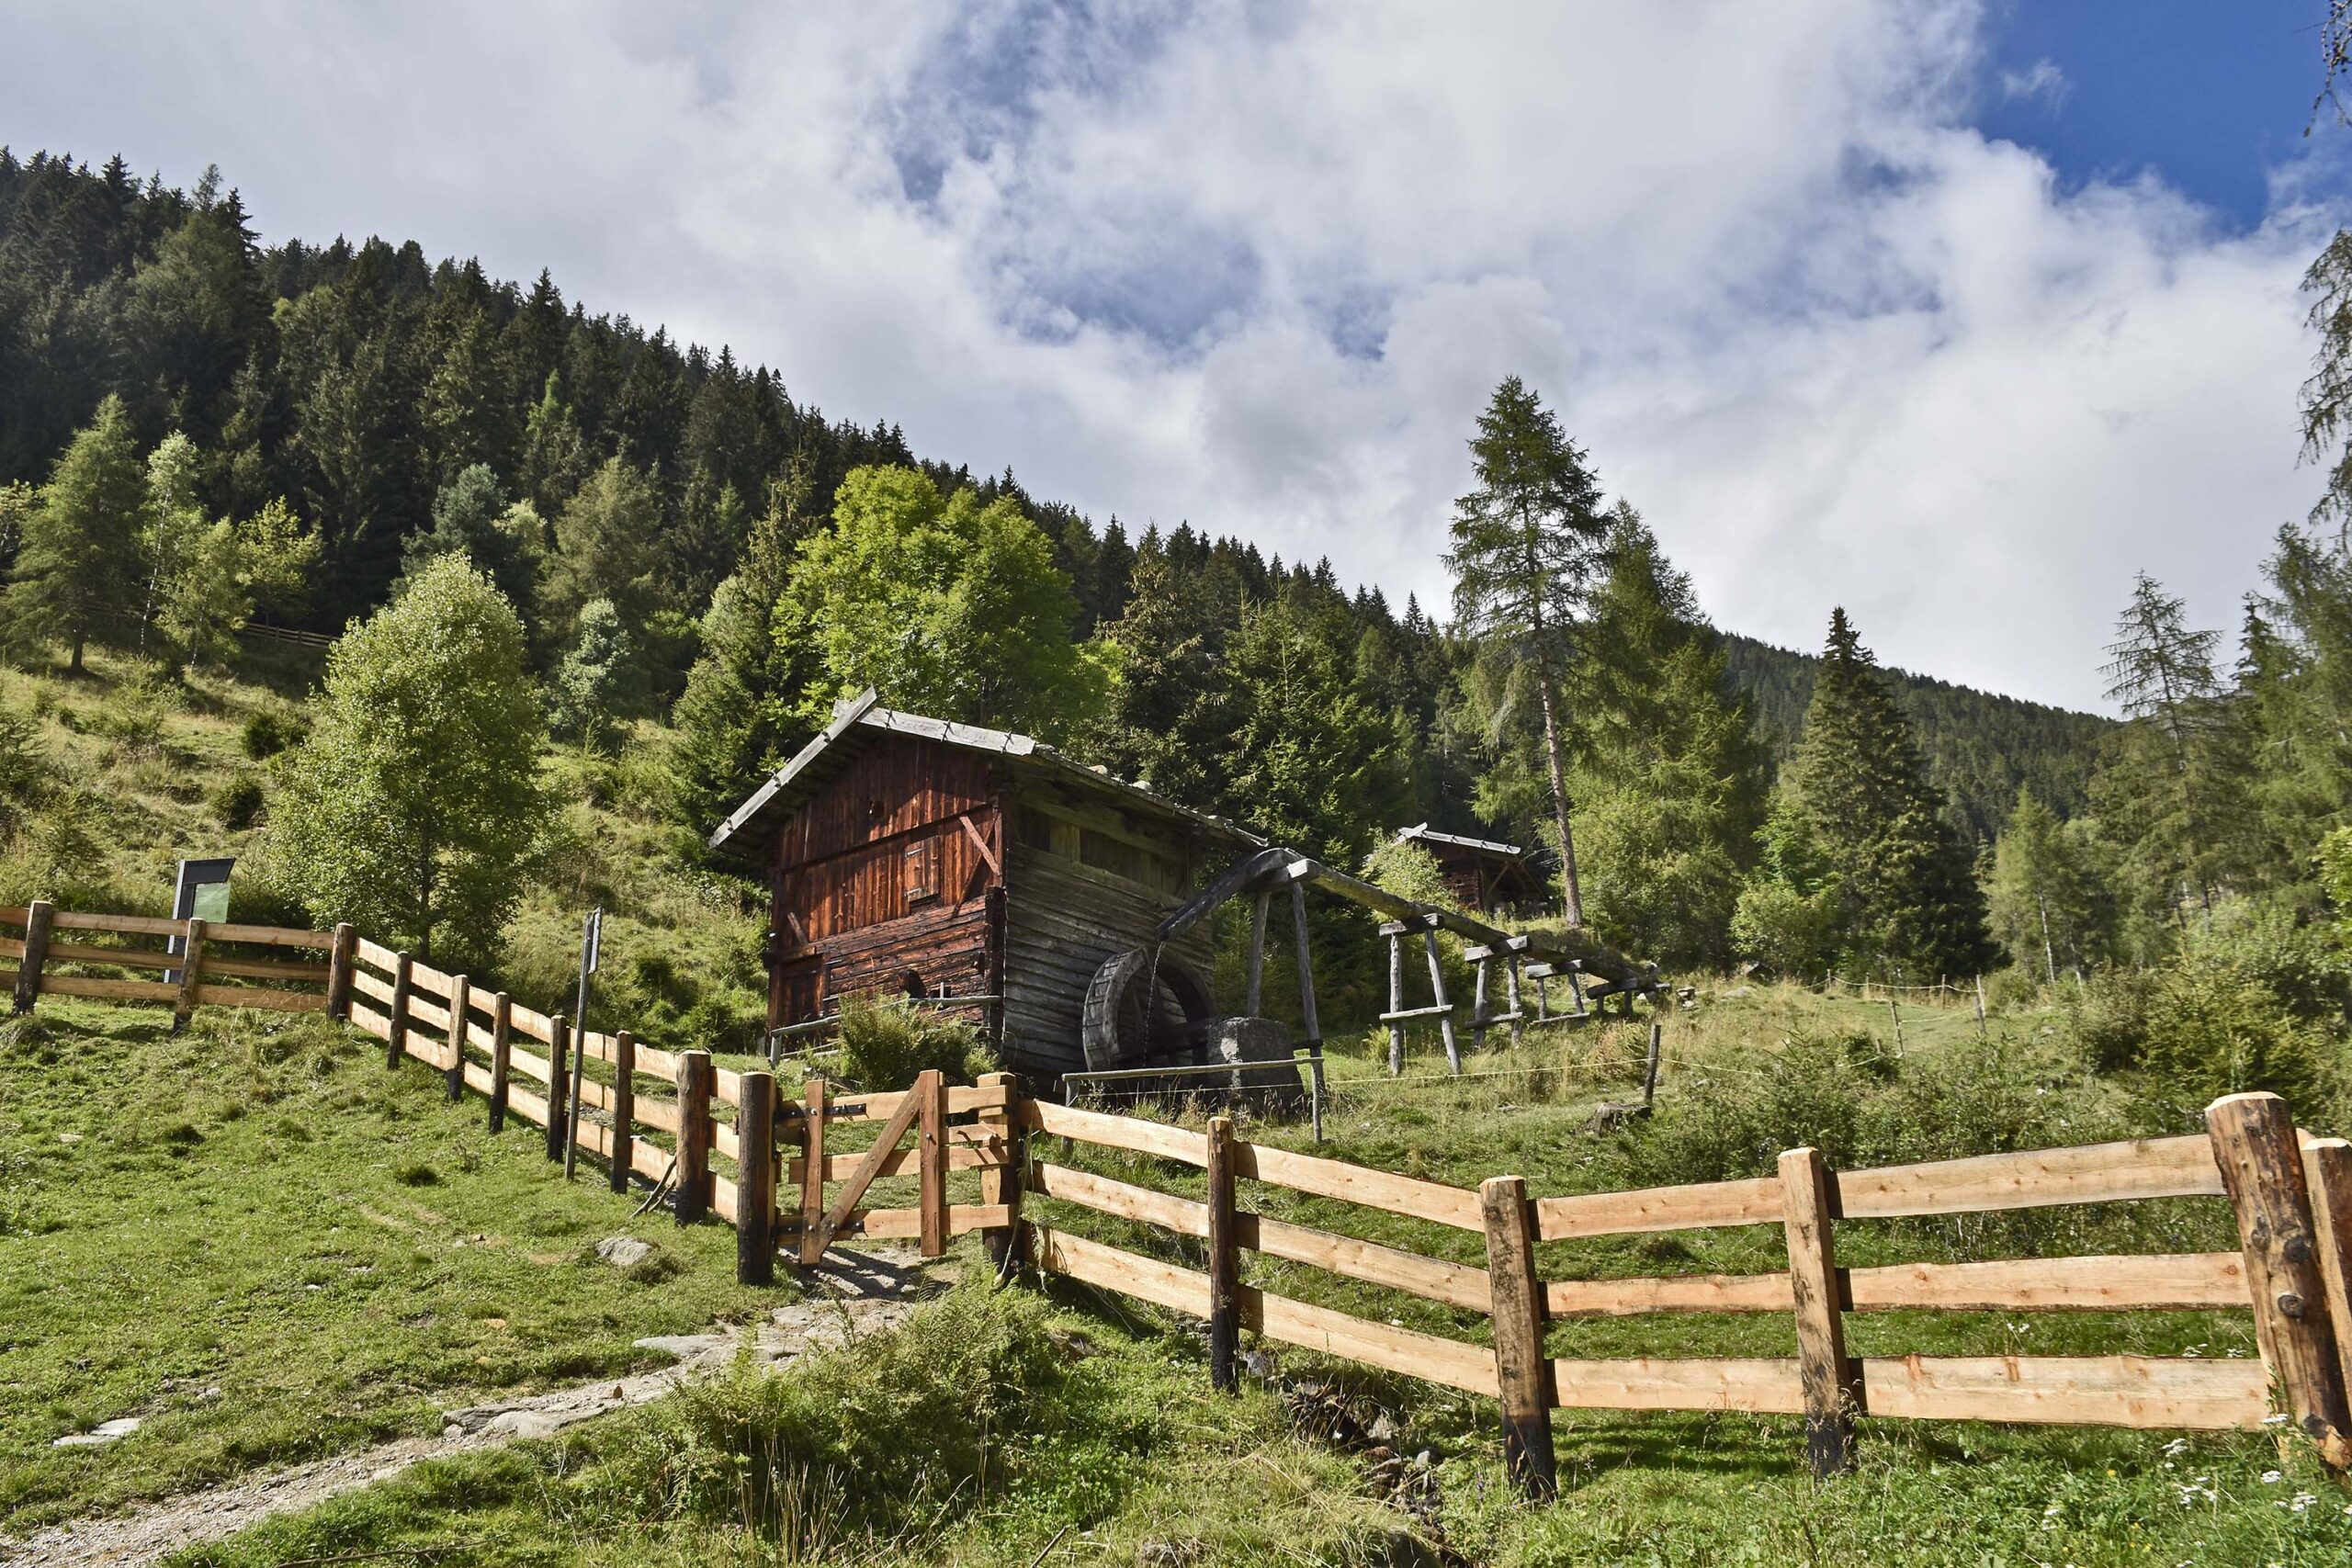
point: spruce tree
(1526, 544)
(76, 579)
(1901, 883)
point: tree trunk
(74, 666)
(1572, 910)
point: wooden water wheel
(1141, 1008)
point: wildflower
(2303, 1500)
(2276, 1418)
(2270, 1478)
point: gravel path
(864, 1291)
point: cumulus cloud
(1256, 264)
(2041, 81)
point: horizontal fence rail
(798, 1177)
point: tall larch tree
(1526, 545)
(76, 578)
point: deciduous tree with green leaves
(946, 604)
(1526, 545)
(415, 805)
(2052, 892)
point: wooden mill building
(906, 855)
(1485, 876)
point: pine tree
(1526, 545)
(2051, 898)
(75, 577)
(1161, 723)
(1901, 880)
(2170, 788)
(594, 686)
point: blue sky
(2211, 93)
(1953, 312)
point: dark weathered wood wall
(845, 915)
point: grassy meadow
(269, 1247)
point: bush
(884, 1046)
(267, 733)
(238, 802)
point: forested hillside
(1981, 747)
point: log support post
(999, 1182)
(37, 916)
(695, 1080)
(624, 1107)
(191, 974)
(813, 1172)
(1479, 1008)
(1649, 1068)
(1396, 935)
(755, 1192)
(1257, 987)
(1224, 1261)
(931, 1177)
(1437, 993)
(559, 1050)
(2327, 1173)
(1510, 999)
(502, 1057)
(2255, 1144)
(396, 1035)
(461, 1001)
(1307, 1019)
(1828, 1374)
(341, 954)
(1523, 1375)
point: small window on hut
(923, 871)
(1032, 829)
(1122, 859)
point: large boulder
(1244, 1041)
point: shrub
(865, 1440)
(267, 733)
(238, 802)
(884, 1046)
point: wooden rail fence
(728, 1145)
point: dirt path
(862, 1292)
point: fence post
(930, 1088)
(1307, 1015)
(1510, 997)
(1822, 1364)
(695, 1081)
(501, 1056)
(1980, 1004)
(1522, 1376)
(37, 922)
(1478, 1008)
(342, 953)
(624, 1107)
(755, 1193)
(1000, 1183)
(191, 974)
(558, 1043)
(1649, 1072)
(396, 1033)
(2261, 1167)
(812, 1170)
(2327, 1172)
(1224, 1261)
(461, 1001)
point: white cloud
(2041, 81)
(1257, 265)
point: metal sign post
(200, 893)
(592, 933)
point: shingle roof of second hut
(858, 718)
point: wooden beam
(340, 960)
(461, 990)
(1437, 986)
(1307, 1019)
(1510, 980)
(2327, 1173)
(1224, 1261)
(1515, 1302)
(1830, 1391)
(812, 1174)
(502, 1057)
(693, 1080)
(1255, 1004)
(403, 986)
(1395, 1000)
(930, 1089)
(979, 842)
(624, 1107)
(191, 972)
(1000, 1182)
(909, 1107)
(755, 1192)
(559, 1047)
(2256, 1145)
